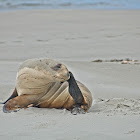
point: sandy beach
(77, 38)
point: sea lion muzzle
(74, 90)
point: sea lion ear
(74, 90)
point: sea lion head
(52, 69)
(60, 71)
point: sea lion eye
(57, 67)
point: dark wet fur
(74, 90)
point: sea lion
(46, 83)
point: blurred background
(68, 4)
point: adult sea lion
(47, 83)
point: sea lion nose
(67, 76)
(63, 76)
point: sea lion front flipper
(76, 94)
(74, 90)
(18, 102)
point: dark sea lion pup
(46, 83)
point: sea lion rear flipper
(77, 110)
(18, 102)
(15, 94)
(76, 94)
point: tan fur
(41, 86)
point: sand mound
(116, 106)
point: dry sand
(76, 37)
